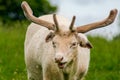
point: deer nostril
(58, 59)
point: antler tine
(110, 19)
(72, 23)
(56, 22)
(29, 15)
(26, 9)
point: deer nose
(58, 59)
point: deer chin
(62, 65)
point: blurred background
(105, 56)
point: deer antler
(29, 14)
(72, 24)
(56, 22)
(110, 19)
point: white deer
(55, 50)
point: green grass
(105, 60)
(12, 66)
(104, 64)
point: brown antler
(110, 19)
(72, 23)
(29, 14)
(56, 22)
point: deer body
(40, 55)
(54, 49)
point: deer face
(66, 45)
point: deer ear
(83, 41)
(49, 37)
(86, 45)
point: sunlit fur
(40, 55)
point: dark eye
(54, 44)
(74, 44)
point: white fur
(39, 57)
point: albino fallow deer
(55, 49)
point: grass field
(104, 64)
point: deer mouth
(61, 65)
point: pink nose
(57, 60)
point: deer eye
(54, 44)
(73, 45)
